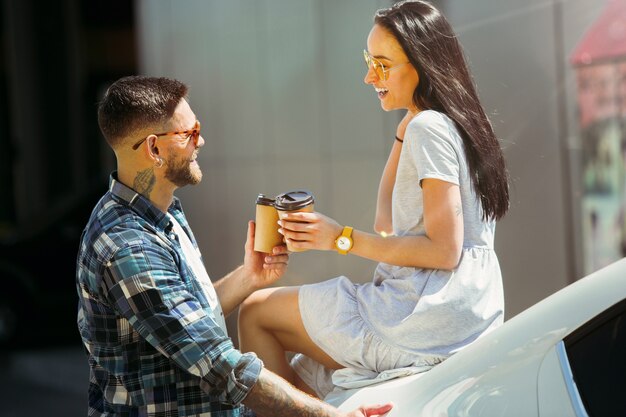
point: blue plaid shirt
(154, 346)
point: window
(597, 356)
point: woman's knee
(267, 308)
(249, 306)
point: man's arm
(233, 288)
(273, 396)
(258, 271)
(143, 284)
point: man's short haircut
(137, 102)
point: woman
(437, 286)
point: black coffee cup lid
(264, 201)
(293, 200)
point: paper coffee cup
(294, 201)
(266, 232)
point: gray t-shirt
(429, 312)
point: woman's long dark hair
(446, 85)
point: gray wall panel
(513, 52)
(278, 86)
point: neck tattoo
(144, 182)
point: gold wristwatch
(344, 242)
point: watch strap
(346, 232)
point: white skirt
(331, 317)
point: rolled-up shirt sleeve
(145, 286)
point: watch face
(343, 243)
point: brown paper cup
(266, 232)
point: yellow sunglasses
(381, 71)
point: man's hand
(260, 268)
(258, 271)
(370, 410)
(273, 396)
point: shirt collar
(140, 204)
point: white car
(564, 356)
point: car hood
(497, 374)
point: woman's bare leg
(270, 324)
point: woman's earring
(159, 163)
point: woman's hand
(309, 230)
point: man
(150, 318)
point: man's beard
(180, 172)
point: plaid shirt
(154, 346)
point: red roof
(606, 39)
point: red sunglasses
(193, 133)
